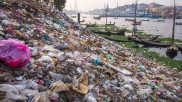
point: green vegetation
(58, 4)
(101, 27)
(162, 39)
(149, 54)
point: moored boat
(98, 18)
(73, 16)
(179, 48)
(118, 32)
(152, 43)
(180, 23)
(102, 32)
(117, 40)
(91, 24)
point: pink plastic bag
(14, 53)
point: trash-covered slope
(70, 64)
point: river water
(150, 27)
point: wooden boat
(91, 25)
(118, 32)
(110, 24)
(102, 32)
(82, 20)
(139, 40)
(116, 40)
(180, 23)
(172, 51)
(98, 18)
(145, 20)
(127, 19)
(137, 23)
(179, 48)
(161, 20)
(73, 16)
(135, 39)
(152, 43)
(114, 32)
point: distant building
(168, 12)
(155, 5)
(142, 7)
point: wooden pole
(79, 18)
(174, 22)
(134, 25)
(106, 15)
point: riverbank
(145, 51)
(47, 57)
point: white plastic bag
(11, 92)
(46, 59)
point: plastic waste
(90, 97)
(31, 84)
(2, 4)
(79, 70)
(59, 86)
(126, 72)
(19, 78)
(54, 97)
(74, 42)
(66, 24)
(5, 22)
(58, 22)
(61, 46)
(14, 53)
(142, 67)
(1, 33)
(144, 91)
(82, 87)
(48, 48)
(41, 97)
(56, 77)
(97, 61)
(11, 92)
(2, 16)
(46, 37)
(46, 59)
(110, 58)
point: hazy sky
(86, 5)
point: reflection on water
(162, 52)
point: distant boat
(98, 17)
(137, 23)
(157, 20)
(145, 20)
(161, 20)
(127, 19)
(82, 20)
(84, 17)
(73, 16)
(133, 20)
(178, 23)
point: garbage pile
(47, 57)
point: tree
(59, 4)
